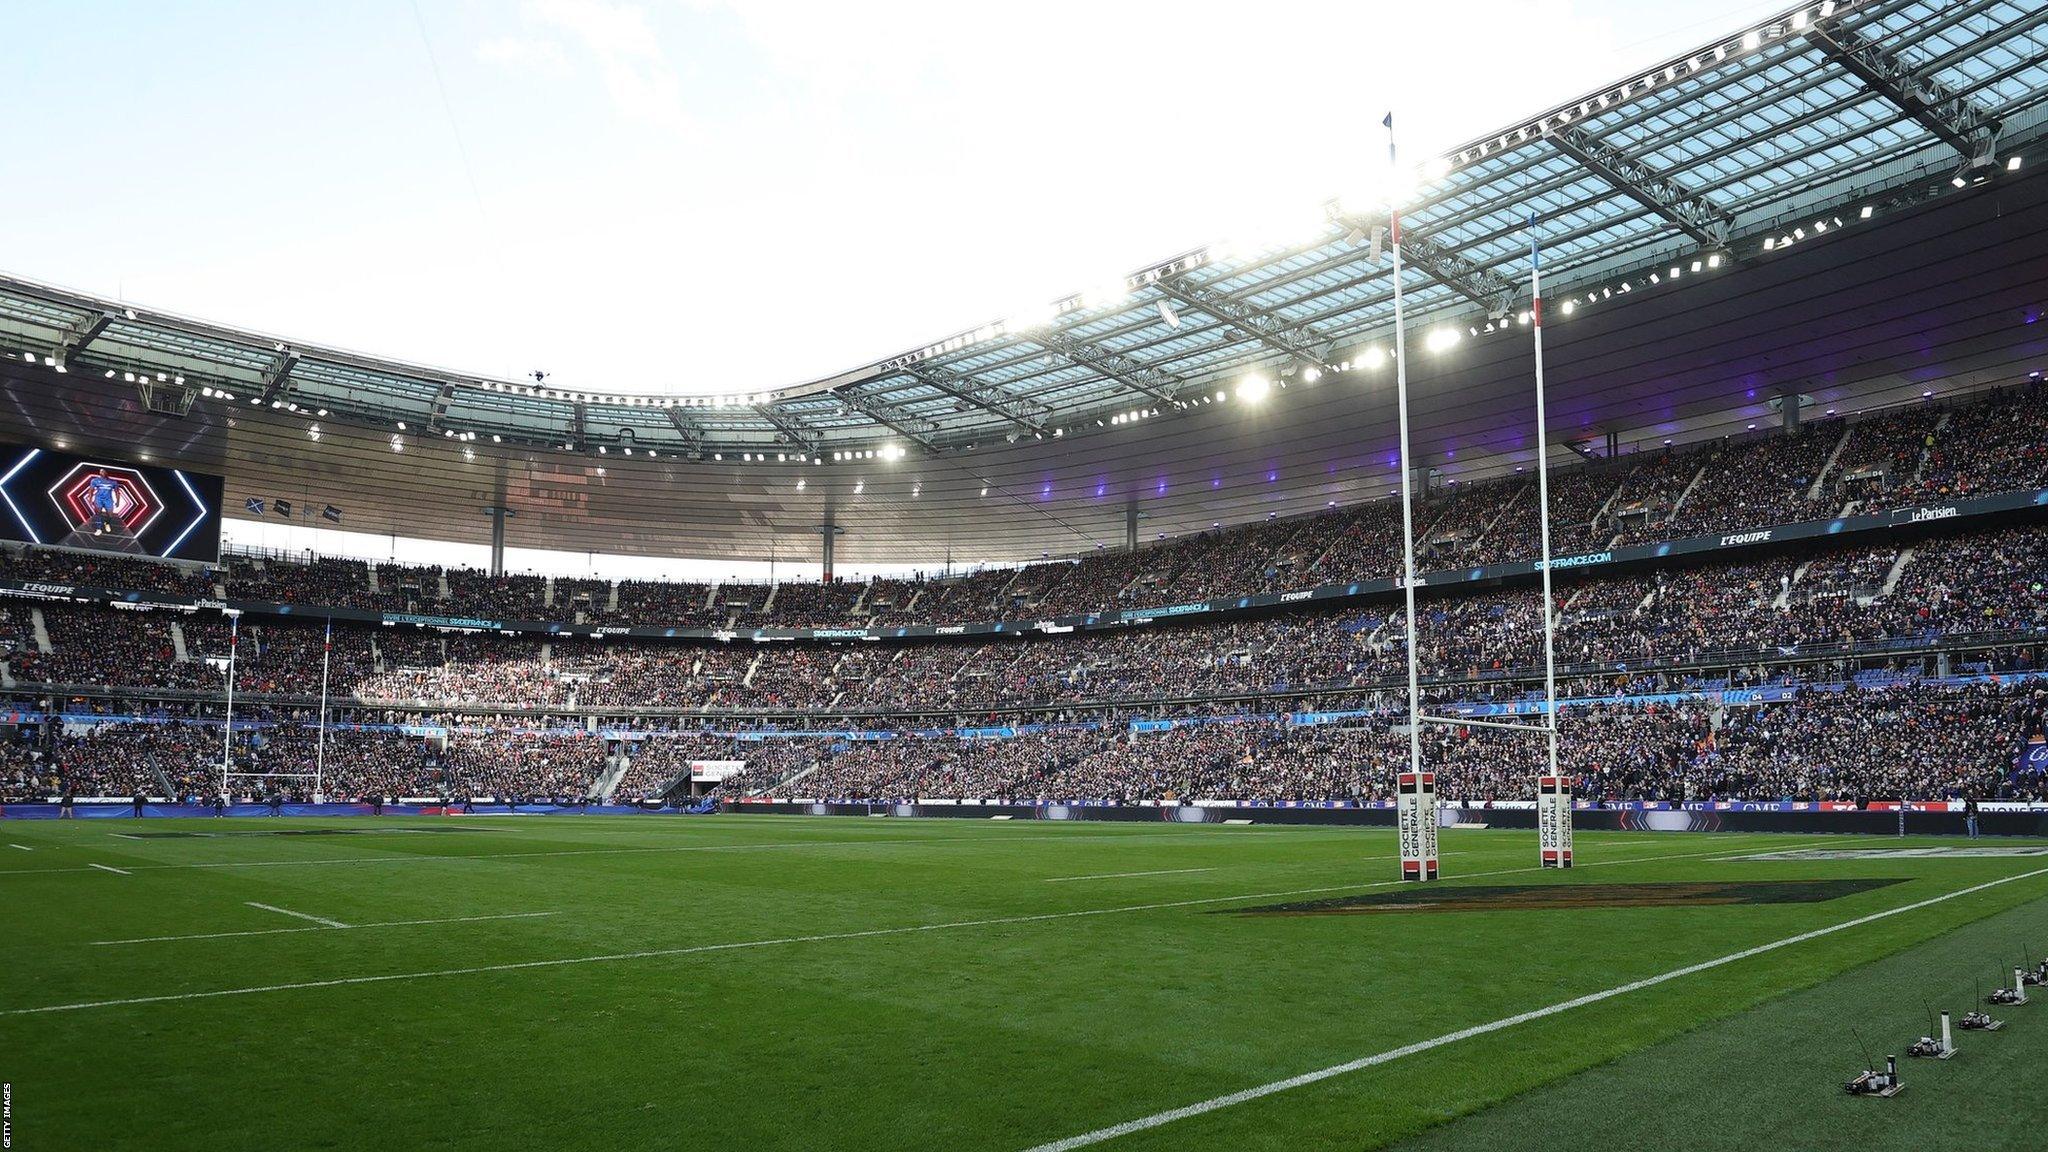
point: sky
(696, 196)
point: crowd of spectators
(1998, 445)
(1758, 480)
(1991, 583)
(1857, 742)
(525, 765)
(1911, 740)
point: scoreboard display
(108, 505)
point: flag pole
(1543, 497)
(1407, 475)
(227, 732)
(320, 754)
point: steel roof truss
(1961, 122)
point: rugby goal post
(1415, 803)
(1554, 821)
(1411, 866)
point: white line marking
(127, 836)
(109, 868)
(1121, 875)
(23, 847)
(300, 915)
(738, 944)
(458, 858)
(1216, 1103)
(341, 927)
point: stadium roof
(1724, 155)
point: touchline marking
(23, 847)
(300, 915)
(340, 927)
(695, 949)
(660, 848)
(1216, 1103)
(1121, 875)
(1005, 839)
(111, 868)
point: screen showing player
(106, 504)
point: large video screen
(108, 504)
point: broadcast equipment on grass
(2038, 974)
(1976, 1021)
(1938, 1044)
(1873, 1081)
(2017, 994)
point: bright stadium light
(1108, 295)
(1442, 338)
(1253, 389)
(1029, 317)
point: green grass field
(785, 982)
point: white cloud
(617, 40)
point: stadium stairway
(615, 765)
(42, 631)
(787, 780)
(1820, 481)
(1678, 505)
(1891, 578)
(1784, 598)
(1506, 506)
(178, 643)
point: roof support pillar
(498, 514)
(828, 534)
